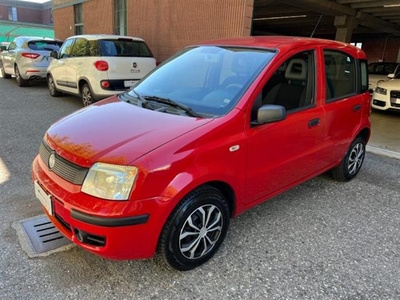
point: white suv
(97, 66)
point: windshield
(381, 68)
(208, 79)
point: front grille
(395, 94)
(61, 220)
(62, 167)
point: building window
(12, 14)
(78, 17)
(120, 17)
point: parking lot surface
(321, 240)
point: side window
(341, 75)
(293, 83)
(79, 49)
(12, 46)
(93, 48)
(66, 49)
(364, 76)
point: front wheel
(20, 81)
(352, 162)
(87, 95)
(52, 87)
(196, 229)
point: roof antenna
(315, 28)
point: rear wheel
(87, 95)
(20, 81)
(352, 162)
(195, 230)
(3, 72)
(52, 87)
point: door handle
(313, 122)
(356, 107)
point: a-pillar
(344, 28)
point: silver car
(27, 58)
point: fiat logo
(52, 161)
(134, 65)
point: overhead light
(278, 18)
(391, 5)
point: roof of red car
(284, 42)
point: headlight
(381, 90)
(111, 182)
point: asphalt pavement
(320, 240)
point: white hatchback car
(386, 95)
(97, 66)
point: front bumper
(385, 102)
(111, 229)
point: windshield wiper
(189, 111)
(145, 103)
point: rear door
(344, 104)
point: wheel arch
(365, 134)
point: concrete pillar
(344, 28)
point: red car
(215, 130)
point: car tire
(195, 229)
(87, 95)
(352, 162)
(3, 72)
(20, 81)
(52, 87)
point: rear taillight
(101, 65)
(30, 55)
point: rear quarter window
(341, 74)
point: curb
(383, 152)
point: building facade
(165, 25)
(26, 12)
(25, 18)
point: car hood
(116, 132)
(390, 84)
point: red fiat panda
(215, 130)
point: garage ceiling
(317, 17)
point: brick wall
(46, 17)
(3, 13)
(98, 16)
(167, 26)
(24, 14)
(29, 15)
(386, 49)
(63, 22)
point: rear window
(45, 45)
(124, 47)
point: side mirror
(270, 113)
(391, 75)
(54, 54)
